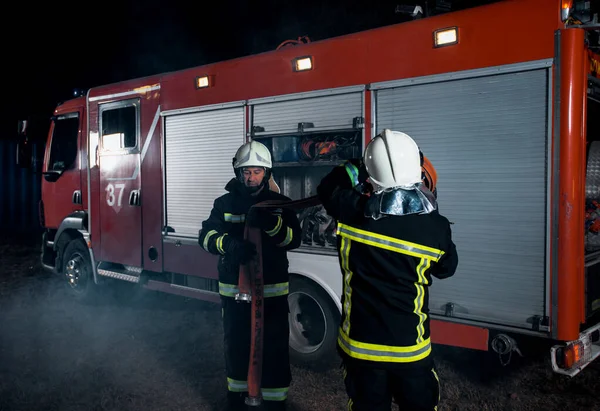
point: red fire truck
(507, 113)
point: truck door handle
(134, 198)
(76, 199)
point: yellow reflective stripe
(350, 403)
(347, 306)
(383, 353)
(420, 298)
(269, 290)
(275, 230)
(288, 238)
(220, 244)
(234, 218)
(438, 382)
(207, 237)
(389, 243)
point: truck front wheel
(77, 269)
(314, 322)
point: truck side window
(63, 149)
(119, 128)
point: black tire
(77, 271)
(314, 322)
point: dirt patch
(162, 352)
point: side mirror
(52, 176)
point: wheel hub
(73, 271)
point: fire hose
(251, 287)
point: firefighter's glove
(356, 170)
(240, 250)
(261, 218)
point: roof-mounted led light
(302, 63)
(445, 37)
(202, 82)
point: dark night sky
(56, 47)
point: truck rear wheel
(314, 322)
(77, 269)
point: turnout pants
(372, 389)
(276, 375)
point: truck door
(120, 181)
(61, 187)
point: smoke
(141, 351)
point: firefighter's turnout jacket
(387, 266)
(228, 218)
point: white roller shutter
(487, 138)
(199, 148)
(325, 112)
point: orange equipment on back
(429, 174)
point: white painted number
(110, 194)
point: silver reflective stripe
(236, 385)
(389, 243)
(228, 290)
(275, 394)
(269, 394)
(274, 290)
(234, 218)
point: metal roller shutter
(199, 148)
(487, 138)
(331, 112)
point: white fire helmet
(392, 159)
(252, 154)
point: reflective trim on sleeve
(352, 173)
(234, 218)
(207, 237)
(289, 235)
(220, 243)
(275, 230)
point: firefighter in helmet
(223, 234)
(390, 244)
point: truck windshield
(63, 149)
